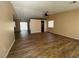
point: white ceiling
(36, 9)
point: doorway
(23, 26)
(42, 26)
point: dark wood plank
(43, 45)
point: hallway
(43, 45)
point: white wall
(6, 28)
(35, 26)
(45, 25)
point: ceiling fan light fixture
(74, 1)
(46, 13)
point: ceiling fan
(46, 13)
(74, 2)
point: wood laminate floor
(43, 45)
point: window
(51, 24)
(23, 26)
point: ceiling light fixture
(46, 13)
(74, 2)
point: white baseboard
(66, 36)
(9, 49)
